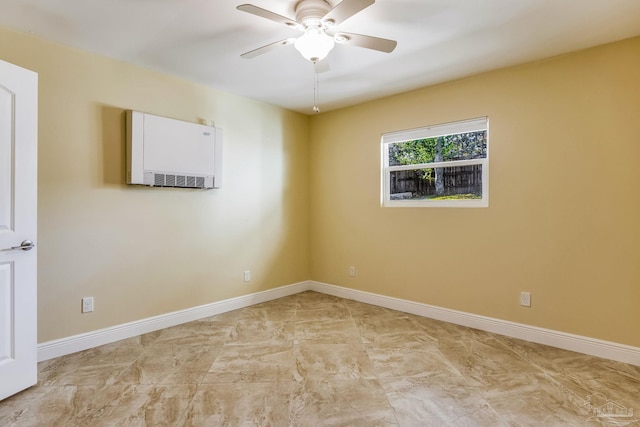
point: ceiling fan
(317, 20)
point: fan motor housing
(310, 12)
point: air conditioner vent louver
(180, 181)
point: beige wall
(564, 215)
(140, 251)
(562, 221)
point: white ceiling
(438, 41)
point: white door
(18, 186)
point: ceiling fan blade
(322, 66)
(369, 42)
(267, 48)
(345, 10)
(264, 13)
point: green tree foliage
(414, 152)
(462, 146)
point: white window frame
(464, 126)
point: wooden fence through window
(457, 180)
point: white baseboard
(72, 344)
(577, 343)
(580, 344)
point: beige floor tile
(569, 363)
(43, 405)
(170, 365)
(387, 323)
(264, 363)
(261, 332)
(97, 406)
(483, 362)
(82, 371)
(315, 300)
(362, 310)
(394, 331)
(318, 360)
(100, 365)
(614, 387)
(240, 404)
(438, 401)
(534, 400)
(398, 362)
(448, 333)
(359, 402)
(327, 331)
(194, 333)
(326, 312)
(148, 405)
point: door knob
(26, 245)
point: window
(438, 166)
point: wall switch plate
(87, 305)
(525, 299)
(247, 276)
(352, 271)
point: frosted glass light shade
(314, 44)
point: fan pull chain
(316, 88)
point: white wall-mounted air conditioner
(164, 152)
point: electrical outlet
(525, 299)
(87, 305)
(352, 271)
(247, 275)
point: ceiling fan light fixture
(314, 44)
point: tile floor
(317, 360)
